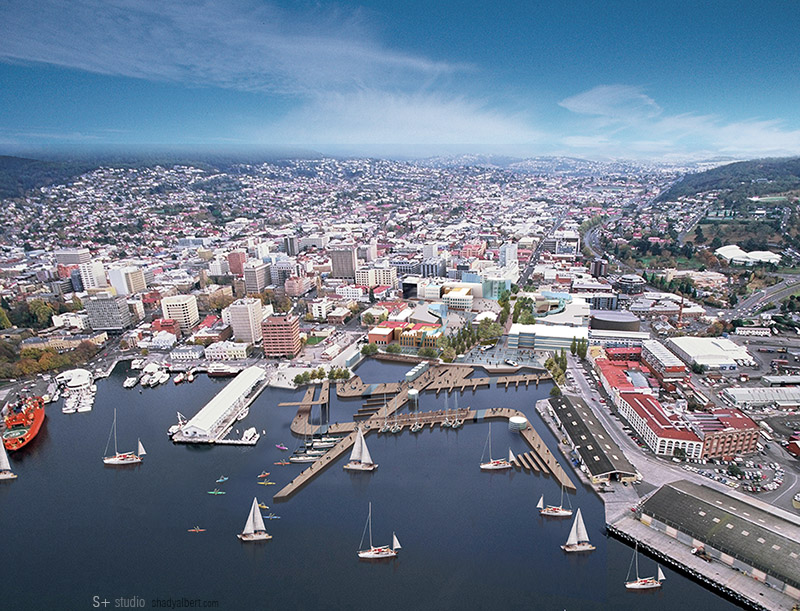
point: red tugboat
(23, 420)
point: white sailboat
(254, 529)
(493, 464)
(125, 458)
(360, 459)
(417, 426)
(380, 552)
(642, 583)
(5, 466)
(554, 511)
(446, 423)
(578, 540)
(456, 423)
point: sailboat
(493, 465)
(578, 540)
(254, 529)
(5, 466)
(377, 553)
(417, 426)
(396, 427)
(126, 458)
(552, 510)
(360, 459)
(446, 423)
(386, 426)
(642, 583)
(456, 423)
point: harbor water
(72, 529)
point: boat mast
(369, 519)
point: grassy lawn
(313, 341)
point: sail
(255, 522)
(573, 533)
(582, 534)
(249, 526)
(661, 574)
(396, 544)
(358, 446)
(540, 504)
(365, 456)
(511, 455)
(141, 449)
(4, 464)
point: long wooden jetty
(374, 417)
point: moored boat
(130, 382)
(642, 583)
(179, 378)
(219, 370)
(23, 420)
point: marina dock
(538, 460)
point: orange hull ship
(23, 421)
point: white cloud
(376, 118)
(622, 121)
(622, 102)
(243, 45)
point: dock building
(735, 531)
(217, 415)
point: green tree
(555, 391)
(5, 323)
(394, 348)
(427, 352)
(448, 355)
(369, 349)
(368, 319)
(573, 347)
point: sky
(671, 80)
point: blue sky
(661, 80)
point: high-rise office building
(73, 256)
(107, 312)
(256, 276)
(343, 261)
(245, 319)
(127, 280)
(182, 309)
(290, 245)
(236, 260)
(93, 275)
(281, 336)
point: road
(771, 295)
(658, 471)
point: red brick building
(281, 336)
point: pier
(213, 423)
(538, 460)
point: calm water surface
(72, 529)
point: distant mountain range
(741, 179)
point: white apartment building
(182, 309)
(226, 351)
(371, 277)
(93, 275)
(256, 276)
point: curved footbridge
(539, 459)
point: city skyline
(650, 81)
